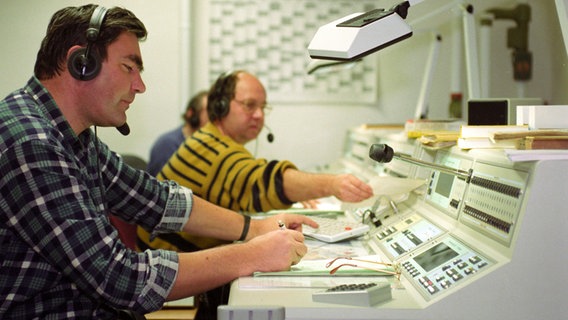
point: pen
(281, 225)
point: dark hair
(195, 105)
(221, 94)
(68, 27)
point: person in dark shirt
(61, 257)
(194, 117)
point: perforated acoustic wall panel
(270, 38)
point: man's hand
(348, 188)
(278, 250)
(291, 221)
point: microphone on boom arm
(382, 153)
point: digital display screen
(444, 185)
(487, 112)
(435, 256)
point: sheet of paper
(390, 186)
(303, 282)
(320, 268)
(318, 250)
(535, 155)
(387, 189)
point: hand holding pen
(287, 221)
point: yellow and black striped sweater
(225, 173)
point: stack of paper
(537, 139)
(482, 136)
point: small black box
(496, 111)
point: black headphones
(85, 64)
(193, 120)
(195, 105)
(219, 98)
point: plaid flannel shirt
(60, 257)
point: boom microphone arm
(382, 153)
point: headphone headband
(219, 102)
(95, 24)
(83, 64)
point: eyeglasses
(391, 268)
(251, 106)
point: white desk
(172, 314)
(525, 279)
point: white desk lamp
(360, 34)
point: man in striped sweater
(215, 164)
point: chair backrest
(126, 231)
(135, 161)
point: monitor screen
(440, 192)
(488, 112)
(444, 185)
(435, 256)
(445, 188)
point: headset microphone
(270, 136)
(84, 64)
(124, 129)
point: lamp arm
(421, 111)
(472, 60)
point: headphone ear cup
(222, 108)
(194, 120)
(219, 109)
(83, 67)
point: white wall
(23, 25)
(308, 135)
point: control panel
(400, 237)
(484, 200)
(474, 243)
(443, 265)
(493, 202)
(446, 191)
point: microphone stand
(382, 153)
(456, 172)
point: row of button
(386, 232)
(450, 273)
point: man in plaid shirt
(60, 255)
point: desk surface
(173, 314)
(295, 292)
(505, 259)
